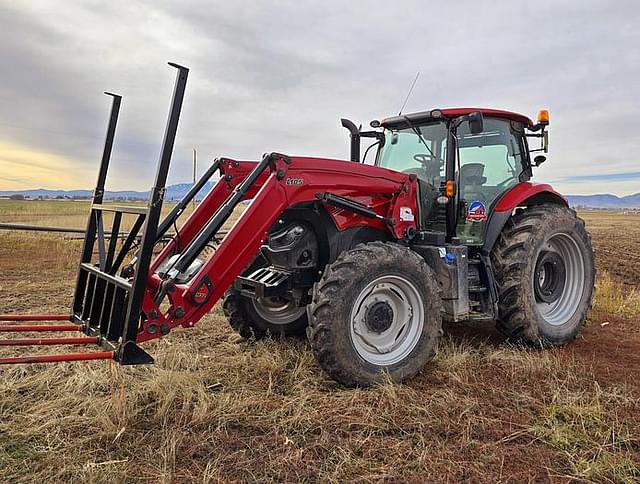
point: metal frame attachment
(107, 303)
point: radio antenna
(413, 84)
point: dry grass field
(216, 408)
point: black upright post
(129, 352)
(450, 170)
(98, 195)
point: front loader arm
(232, 173)
(282, 183)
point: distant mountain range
(177, 191)
(173, 192)
(605, 201)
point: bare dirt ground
(216, 408)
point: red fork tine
(35, 317)
(48, 341)
(23, 328)
(98, 355)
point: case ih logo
(477, 212)
(295, 181)
(201, 295)
(202, 292)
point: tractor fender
(525, 194)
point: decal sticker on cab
(477, 212)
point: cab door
(487, 165)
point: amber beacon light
(543, 116)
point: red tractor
(367, 259)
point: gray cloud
(279, 75)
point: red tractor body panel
(455, 112)
(523, 192)
(498, 113)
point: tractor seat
(472, 174)
(472, 182)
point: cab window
(404, 150)
(488, 164)
(421, 151)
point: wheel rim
(386, 320)
(559, 279)
(277, 310)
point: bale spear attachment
(107, 303)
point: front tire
(544, 268)
(375, 311)
(257, 318)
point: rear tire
(256, 319)
(375, 310)
(544, 269)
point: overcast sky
(278, 76)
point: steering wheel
(423, 158)
(431, 164)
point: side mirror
(539, 160)
(476, 122)
(545, 141)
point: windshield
(405, 151)
(420, 150)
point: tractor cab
(464, 161)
